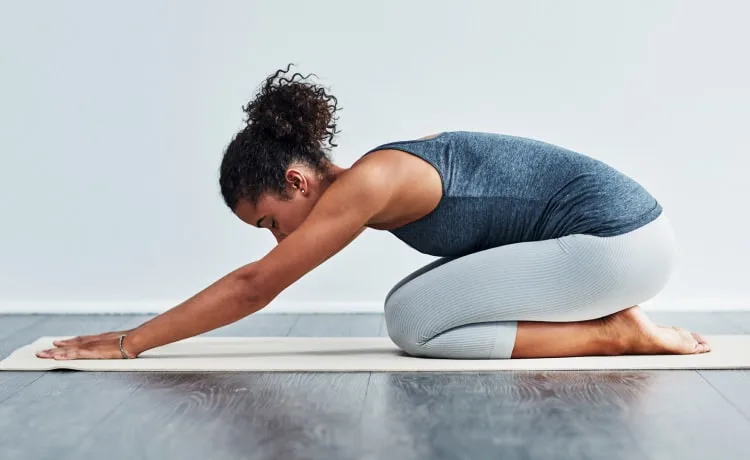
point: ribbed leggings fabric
(469, 307)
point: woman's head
(278, 165)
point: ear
(296, 178)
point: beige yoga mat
(351, 354)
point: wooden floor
(396, 416)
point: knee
(403, 328)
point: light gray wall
(114, 115)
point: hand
(107, 346)
(85, 339)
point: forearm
(229, 299)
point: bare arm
(339, 216)
(223, 302)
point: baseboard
(159, 306)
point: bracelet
(122, 350)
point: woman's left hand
(108, 348)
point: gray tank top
(500, 189)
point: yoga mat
(351, 354)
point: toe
(699, 337)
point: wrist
(129, 346)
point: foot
(634, 333)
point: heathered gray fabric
(527, 231)
(500, 189)
(469, 307)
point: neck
(332, 173)
(336, 171)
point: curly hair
(287, 121)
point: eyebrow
(259, 221)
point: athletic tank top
(500, 189)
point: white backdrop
(114, 115)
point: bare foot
(636, 334)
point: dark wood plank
(499, 415)
(12, 382)
(617, 415)
(383, 332)
(11, 324)
(233, 415)
(16, 388)
(56, 412)
(679, 415)
(740, 319)
(133, 321)
(257, 325)
(701, 322)
(335, 325)
(734, 385)
(551, 415)
(50, 325)
(41, 412)
(61, 325)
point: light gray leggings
(468, 307)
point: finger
(96, 352)
(81, 339)
(55, 353)
(76, 341)
(51, 353)
(64, 354)
(63, 342)
(73, 340)
(43, 354)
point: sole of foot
(637, 334)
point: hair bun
(294, 112)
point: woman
(544, 252)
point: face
(282, 217)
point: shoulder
(389, 157)
(371, 177)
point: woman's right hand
(84, 339)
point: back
(500, 189)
